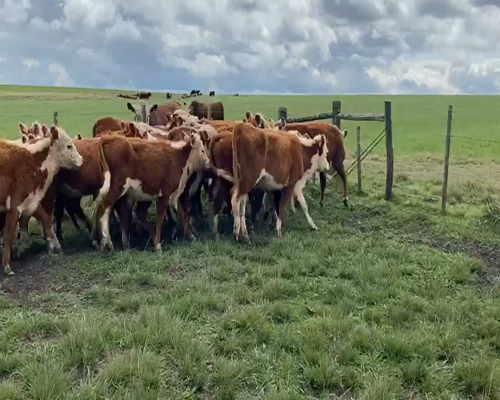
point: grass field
(384, 301)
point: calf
(169, 166)
(26, 172)
(336, 151)
(266, 159)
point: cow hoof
(314, 228)
(158, 249)
(245, 239)
(8, 271)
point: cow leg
(124, 210)
(19, 247)
(102, 214)
(8, 237)
(322, 184)
(185, 219)
(58, 213)
(243, 224)
(161, 211)
(303, 204)
(218, 199)
(339, 167)
(45, 220)
(81, 214)
(236, 201)
(286, 194)
(142, 215)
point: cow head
(62, 147)
(138, 113)
(198, 158)
(320, 159)
(281, 123)
(259, 121)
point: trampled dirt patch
(32, 276)
(489, 256)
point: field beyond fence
(387, 300)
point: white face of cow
(65, 152)
(321, 160)
(198, 159)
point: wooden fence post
(143, 112)
(336, 109)
(358, 140)
(209, 111)
(446, 160)
(390, 152)
(283, 113)
(56, 118)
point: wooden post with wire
(336, 109)
(358, 140)
(390, 151)
(283, 113)
(56, 118)
(446, 160)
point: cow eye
(69, 147)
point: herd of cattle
(169, 159)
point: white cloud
(14, 11)
(62, 77)
(123, 30)
(286, 46)
(30, 63)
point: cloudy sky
(254, 46)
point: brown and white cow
(266, 159)
(169, 166)
(26, 172)
(336, 151)
(156, 115)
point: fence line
(337, 116)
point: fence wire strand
(476, 139)
(364, 153)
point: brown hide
(336, 150)
(106, 124)
(159, 115)
(200, 110)
(126, 158)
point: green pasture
(419, 122)
(387, 300)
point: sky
(254, 46)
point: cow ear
(45, 131)
(169, 117)
(130, 107)
(23, 128)
(36, 129)
(54, 133)
(132, 129)
(153, 108)
(79, 137)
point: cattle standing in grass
(169, 166)
(272, 161)
(157, 114)
(211, 94)
(200, 110)
(25, 175)
(336, 151)
(105, 125)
